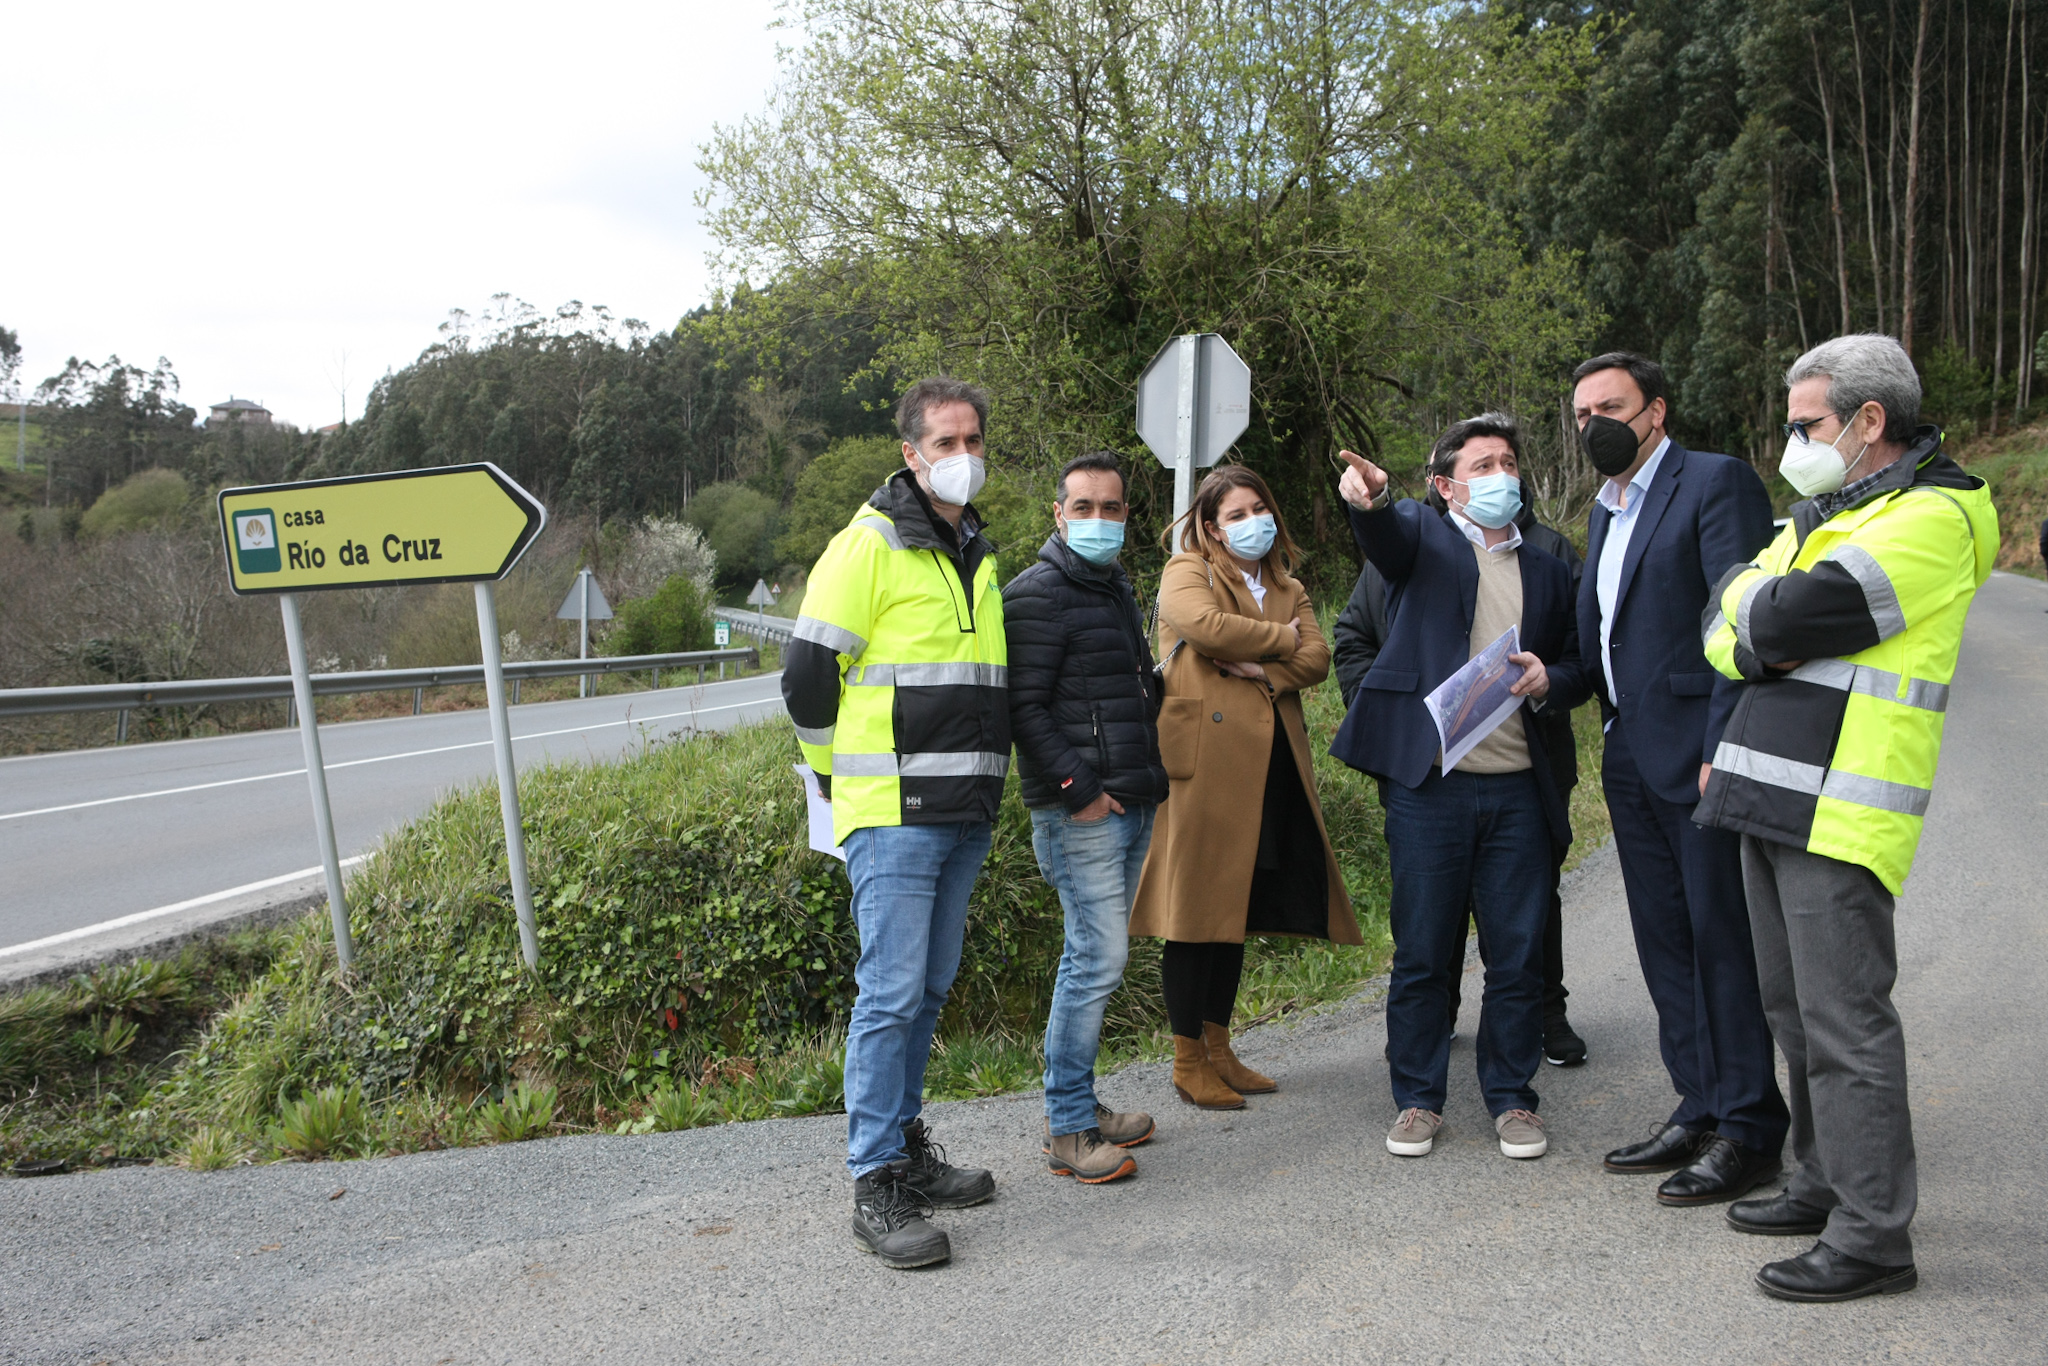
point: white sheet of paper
(1471, 702)
(821, 814)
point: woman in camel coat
(1239, 846)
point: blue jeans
(1459, 841)
(910, 888)
(1094, 866)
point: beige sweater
(1506, 750)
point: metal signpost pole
(508, 777)
(316, 778)
(583, 644)
(1185, 418)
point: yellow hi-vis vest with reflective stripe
(920, 733)
(1837, 755)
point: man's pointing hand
(1362, 482)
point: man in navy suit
(1481, 835)
(1667, 525)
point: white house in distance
(242, 410)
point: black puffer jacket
(1083, 697)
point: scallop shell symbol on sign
(256, 541)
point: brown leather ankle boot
(1196, 1081)
(1235, 1074)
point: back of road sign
(457, 524)
(572, 608)
(1221, 407)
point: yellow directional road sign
(456, 524)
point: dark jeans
(1827, 958)
(1554, 993)
(1691, 922)
(1463, 843)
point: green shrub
(675, 619)
(107, 1036)
(32, 1036)
(150, 499)
(678, 1107)
(141, 987)
(323, 1124)
(525, 1112)
(211, 1148)
(740, 525)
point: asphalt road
(92, 836)
(1281, 1233)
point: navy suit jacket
(1701, 514)
(1432, 593)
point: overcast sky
(257, 191)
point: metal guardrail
(125, 697)
(758, 624)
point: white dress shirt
(1252, 581)
(1621, 525)
(1476, 534)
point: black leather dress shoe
(1672, 1146)
(1821, 1275)
(1724, 1170)
(1777, 1214)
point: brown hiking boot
(1195, 1081)
(1235, 1074)
(1088, 1158)
(1126, 1131)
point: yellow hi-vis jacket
(898, 677)
(1837, 755)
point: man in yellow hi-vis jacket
(897, 682)
(1846, 631)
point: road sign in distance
(572, 606)
(457, 524)
(1223, 400)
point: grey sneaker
(1126, 1131)
(1521, 1134)
(1414, 1133)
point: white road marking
(383, 758)
(140, 916)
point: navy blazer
(1432, 592)
(1701, 514)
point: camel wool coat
(1216, 737)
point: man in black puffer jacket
(1083, 708)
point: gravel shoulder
(1284, 1232)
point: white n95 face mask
(1813, 468)
(956, 479)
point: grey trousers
(1826, 960)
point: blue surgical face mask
(1095, 539)
(1252, 537)
(1492, 500)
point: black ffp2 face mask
(1609, 444)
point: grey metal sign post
(586, 604)
(1194, 400)
(316, 778)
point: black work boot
(928, 1173)
(889, 1220)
